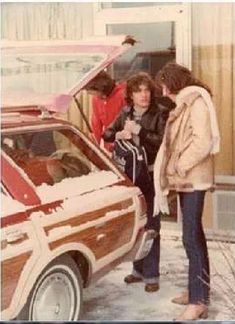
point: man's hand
(132, 127)
(124, 134)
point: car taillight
(143, 205)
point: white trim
(215, 211)
(179, 213)
(226, 179)
(178, 13)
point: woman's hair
(102, 83)
(133, 85)
(176, 77)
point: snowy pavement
(111, 299)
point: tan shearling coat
(187, 160)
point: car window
(3, 190)
(43, 73)
(139, 63)
(52, 155)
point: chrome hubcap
(54, 299)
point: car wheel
(57, 294)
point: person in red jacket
(108, 99)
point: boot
(132, 279)
(193, 312)
(182, 299)
(151, 287)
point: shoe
(132, 279)
(181, 299)
(151, 287)
(193, 312)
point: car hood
(49, 74)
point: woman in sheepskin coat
(185, 163)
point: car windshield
(50, 156)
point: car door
(20, 250)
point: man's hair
(102, 83)
(176, 77)
(133, 85)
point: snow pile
(76, 186)
(112, 299)
(10, 206)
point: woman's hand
(124, 134)
(132, 127)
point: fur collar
(188, 95)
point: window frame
(62, 127)
(180, 14)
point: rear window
(52, 155)
(43, 73)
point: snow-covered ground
(111, 299)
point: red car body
(69, 214)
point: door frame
(180, 14)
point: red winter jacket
(104, 111)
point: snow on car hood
(71, 187)
(36, 73)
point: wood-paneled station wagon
(68, 213)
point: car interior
(37, 154)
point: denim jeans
(194, 242)
(148, 267)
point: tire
(57, 293)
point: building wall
(213, 61)
(213, 51)
(45, 21)
(213, 54)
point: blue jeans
(148, 267)
(194, 242)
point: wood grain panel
(117, 232)
(90, 216)
(11, 270)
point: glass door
(163, 33)
(161, 29)
(150, 53)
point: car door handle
(14, 237)
(100, 236)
